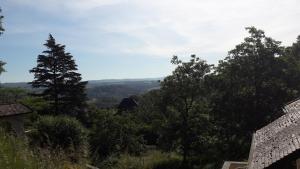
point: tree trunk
(185, 138)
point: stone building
(13, 114)
(277, 145)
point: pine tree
(1, 27)
(56, 74)
(1, 31)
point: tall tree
(292, 60)
(2, 67)
(1, 18)
(56, 74)
(248, 91)
(186, 93)
(1, 31)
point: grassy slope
(15, 154)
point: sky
(121, 39)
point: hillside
(108, 93)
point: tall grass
(151, 160)
(15, 154)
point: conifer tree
(1, 31)
(1, 27)
(56, 74)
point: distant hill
(24, 85)
(109, 92)
(93, 83)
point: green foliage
(170, 164)
(5, 126)
(58, 132)
(247, 92)
(210, 117)
(149, 160)
(37, 104)
(56, 74)
(15, 154)
(12, 94)
(292, 68)
(186, 92)
(2, 67)
(1, 32)
(1, 27)
(113, 134)
(152, 113)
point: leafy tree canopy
(248, 90)
(186, 93)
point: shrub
(168, 164)
(113, 134)
(150, 134)
(6, 126)
(37, 104)
(58, 132)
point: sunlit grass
(150, 160)
(15, 154)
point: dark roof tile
(276, 140)
(13, 109)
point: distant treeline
(106, 93)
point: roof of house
(127, 103)
(13, 109)
(276, 140)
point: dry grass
(15, 154)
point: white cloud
(69, 4)
(209, 25)
(167, 27)
(70, 8)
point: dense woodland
(198, 117)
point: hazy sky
(136, 38)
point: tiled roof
(127, 103)
(276, 140)
(13, 109)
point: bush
(37, 104)
(168, 164)
(150, 135)
(113, 134)
(58, 132)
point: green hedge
(58, 132)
